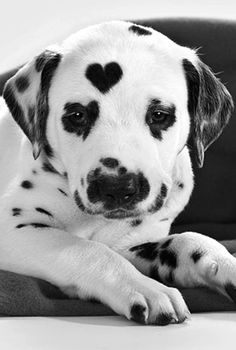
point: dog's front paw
(150, 302)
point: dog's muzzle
(118, 191)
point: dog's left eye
(158, 117)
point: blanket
(27, 296)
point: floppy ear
(210, 106)
(26, 95)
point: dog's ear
(26, 95)
(210, 106)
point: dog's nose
(118, 191)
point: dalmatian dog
(95, 166)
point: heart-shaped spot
(104, 78)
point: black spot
(164, 191)
(52, 62)
(139, 30)
(78, 201)
(166, 243)
(122, 170)
(193, 84)
(104, 78)
(164, 319)
(144, 187)
(31, 114)
(180, 185)
(15, 109)
(48, 167)
(22, 83)
(33, 224)
(16, 211)
(48, 150)
(27, 184)
(137, 313)
(65, 175)
(196, 255)
(63, 192)
(154, 274)
(156, 124)
(34, 172)
(136, 222)
(43, 211)
(148, 251)
(165, 219)
(38, 225)
(90, 114)
(42, 59)
(110, 162)
(170, 277)
(168, 257)
(158, 203)
(231, 290)
(21, 225)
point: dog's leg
(89, 269)
(187, 260)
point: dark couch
(212, 208)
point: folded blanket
(26, 296)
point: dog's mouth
(108, 214)
(120, 214)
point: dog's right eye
(79, 119)
(76, 119)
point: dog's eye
(158, 117)
(77, 119)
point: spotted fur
(139, 30)
(104, 78)
(87, 204)
(22, 83)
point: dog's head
(114, 106)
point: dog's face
(118, 100)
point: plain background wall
(27, 26)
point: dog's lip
(119, 214)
